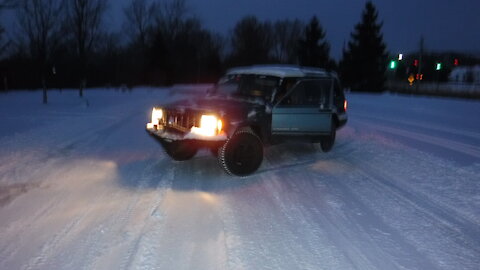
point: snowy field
(82, 186)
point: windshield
(247, 85)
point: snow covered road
(82, 186)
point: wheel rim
(243, 155)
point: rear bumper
(342, 119)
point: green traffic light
(439, 66)
(393, 64)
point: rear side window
(309, 93)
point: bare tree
(3, 44)
(8, 3)
(40, 20)
(286, 34)
(170, 18)
(84, 18)
(140, 17)
(5, 4)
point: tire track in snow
(342, 235)
(38, 156)
(439, 218)
(120, 222)
(299, 156)
(51, 246)
(471, 134)
(404, 246)
(365, 234)
(20, 229)
(318, 227)
(467, 149)
(92, 247)
(189, 233)
(345, 230)
(143, 241)
(91, 136)
(47, 205)
(421, 201)
(286, 201)
(41, 157)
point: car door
(305, 110)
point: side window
(284, 88)
(308, 93)
(295, 97)
(257, 85)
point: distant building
(465, 74)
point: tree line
(63, 43)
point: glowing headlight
(157, 114)
(210, 125)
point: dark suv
(249, 108)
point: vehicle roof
(282, 71)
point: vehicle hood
(233, 108)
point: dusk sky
(445, 24)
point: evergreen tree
(364, 62)
(313, 49)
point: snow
(83, 186)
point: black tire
(242, 154)
(214, 151)
(180, 151)
(327, 142)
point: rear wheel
(242, 154)
(180, 151)
(327, 142)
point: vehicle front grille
(181, 121)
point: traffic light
(439, 66)
(415, 62)
(393, 64)
(455, 62)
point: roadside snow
(83, 186)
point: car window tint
(257, 85)
(284, 88)
(309, 93)
(248, 85)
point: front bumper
(165, 135)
